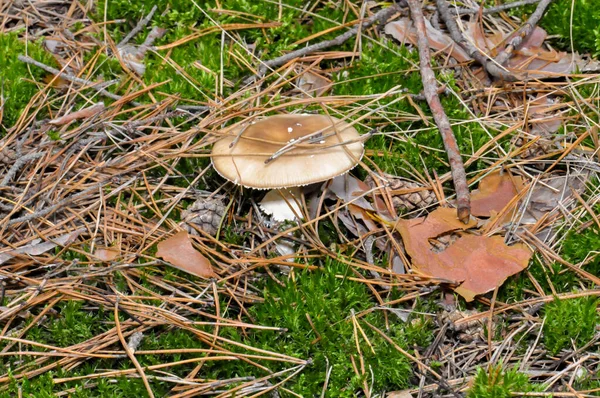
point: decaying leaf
(106, 253)
(282, 204)
(478, 264)
(532, 57)
(311, 83)
(35, 249)
(399, 394)
(352, 190)
(546, 195)
(403, 31)
(495, 191)
(133, 56)
(80, 114)
(179, 252)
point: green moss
(570, 322)
(16, 81)
(499, 383)
(582, 22)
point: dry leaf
(352, 190)
(106, 254)
(312, 83)
(399, 394)
(179, 252)
(495, 191)
(80, 114)
(547, 194)
(403, 30)
(532, 58)
(478, 264)
(41, 248)
(282, 205)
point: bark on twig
(380, 17)
(138, 28)
(494, 66)
(430, 90)
(69, 77)
(523, 33)
(17, 165)
(489, 10)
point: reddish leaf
(478, 264)
(494, 193)
(179, 252)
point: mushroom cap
(333, 152)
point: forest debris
(379, 17)
(350, 189)
(179, 252)
(495, 192)
(133, 56)
(403, 30)
(206, 214)
(80, 114)
(531, 58)
(107, 254)
(430, 89)
(406, 195)
(399, 394)
(310, 82)
(478, 264)
(548, 194)
(35, 249)
(283, 204)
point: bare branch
(430, 90)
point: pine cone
(408, 201)
(206, 214)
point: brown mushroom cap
(335, 150)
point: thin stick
(19, 162)
(69, 77)
(494, 66)
(380, 17)
(493, 10)
(523, 33)
(430, 89)
(138, 28)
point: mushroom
(286, 151)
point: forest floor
(109, 110)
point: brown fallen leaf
(179, 252)
(80, 114)
(312, 83)
(36, 249)
(403, 30)
(478, 264)
(531, 58)
(495, 191)
(106, 254)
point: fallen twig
(19, 162)
(430, 90)
(489, 10)
(523, 32)
(493, 66)
(380, 17)
(138, 28)
(69, 77)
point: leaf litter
(179, 252)
(97, 175)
